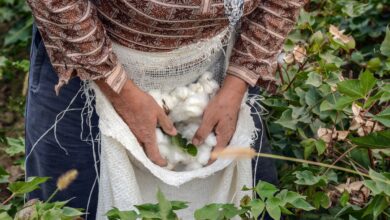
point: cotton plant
(184, 106)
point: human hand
(221, 113)
(142, 114)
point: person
(72, 43)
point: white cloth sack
(128, 177)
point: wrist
(235, 84)
(128, 89)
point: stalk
(8, 199)
(278, 157)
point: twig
(340, 157)
(278, 157)
(8, 199)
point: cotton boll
(207, 76)
(189, 130)
(196, 88)
(211, 140)
(204, 152)
(178, 114)
(170, 166)
(181, 92)
(164, 150)
(161, 137)
(180, 156)
(211, 87)
(199, 100)
(192, 107)
(169, 101)
(193, 166)
(193, 111)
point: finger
(224, 133)
(222, 142)
(166, 124)
(152, 151)
(205, 128)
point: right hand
(142, 114)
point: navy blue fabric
(48, 159)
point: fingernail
(174, 131)
(195, 142)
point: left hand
(221, 113)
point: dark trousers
(48, 158)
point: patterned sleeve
(76, 42)
(263, 31)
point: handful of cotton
(184, 106)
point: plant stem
(52, 195)
(340, 157)
(278, 157)
(8, 199)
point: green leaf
(367, 82)
(191, 150)
(5, 216)
(257, 207)
(350, 88)
(360, 155)
(3, 175)
(116, 214)
(321, 199)
(209, 212)
(286, 120)
(374, 64)
(52, 214)
(344, 198)
(71, 212)
(265, 190)
(273, 209)
(343, 102)
(19, 33)
(375, 140)
(383, 117)
(376, 206)
(320, 146)
(177, 205)
(179, 141)
(379, 183)
(307, 178)
(385, 46)
(302, 204)
(314, 79)
(26, 187)
(164, 205)
(309, 147)
(15, 146)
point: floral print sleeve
(263, 31)
(76, 41)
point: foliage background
(332, 107)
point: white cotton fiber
(186, 106)
(204, 152)
(169, 101)
(189, 130)
(181, 93)
(211, 140)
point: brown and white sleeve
(263, 32)
(76, 41)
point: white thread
(254, 102)
(57, 120)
